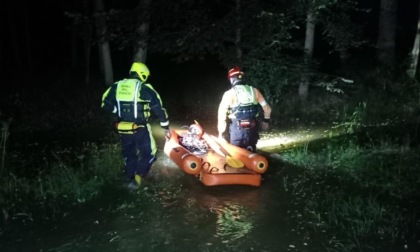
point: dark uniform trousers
(137, 152)
(244, 133)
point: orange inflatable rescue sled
(214, 161)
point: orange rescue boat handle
(187, 161)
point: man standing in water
(133, 100)
(240, 105)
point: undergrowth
(358, 194)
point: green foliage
(270, 77)
(97, 165)
(334, 18)
(268, 33)
(339, 30)
(63, 181)
(333, 85)
(357, 194)
(354, 122)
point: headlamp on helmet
(235, 75)
(235, 72)
(141, 70)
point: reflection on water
(234, 210)
(233, 222)
(181, 214)
(173, 211)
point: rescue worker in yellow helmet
(134, 100)
(239, 108)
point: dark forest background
(49, 38)
(311, 59)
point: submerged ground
(173, 212)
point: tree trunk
(75, 42)
(28, 64)
(387, 32)
(87, 44)
(87, 51)
(308, 52)
(238, 38)
(412, 71)
(142, 31)
(74, 49)
(104, 52)
(1, 67)
(14, 41)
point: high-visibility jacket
(134, 101)
(241, 102)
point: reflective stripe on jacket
(245, 104)
(232, 100)
(133, 101)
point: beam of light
(269, 141)
(158, 132)
(291, 138)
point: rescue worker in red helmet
(133, 100)
(239, 108)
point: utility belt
(128, 127)
(246, 124)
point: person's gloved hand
(265, 126)
(167, 134)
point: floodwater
(173, 211)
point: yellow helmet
(141, 69)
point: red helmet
(196, 129)
(235, 72)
